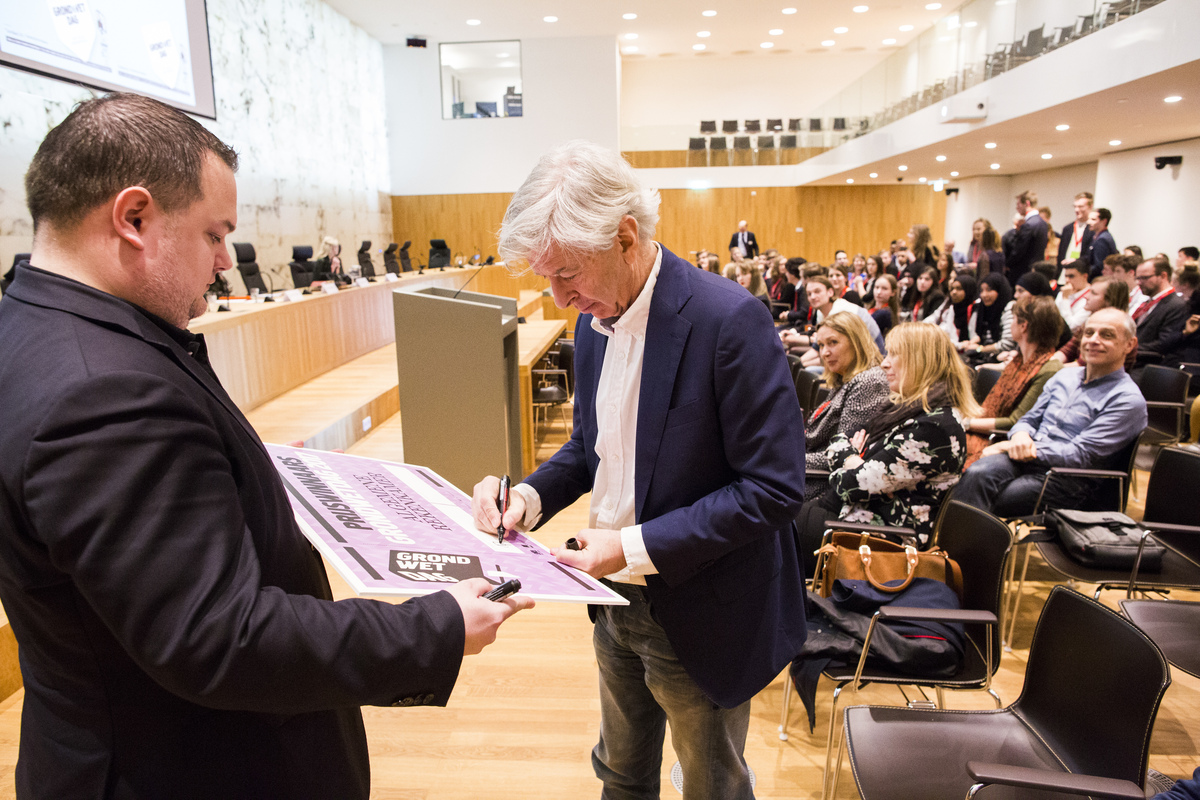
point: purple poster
(395, 529)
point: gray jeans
(642, 688)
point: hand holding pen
(487, 513)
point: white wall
(308, 130)
(1154, 209)
(571, 91)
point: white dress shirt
(1073, 307)
(612, 506)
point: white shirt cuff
(533, 506)
(637, 560)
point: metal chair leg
(826, 792)
(837, 772)
(1012, 623)
(787, 703)
(941, 697)
(995, 697)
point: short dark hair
(1127, 263)
(821, 279)
(1192, 253)
(1104, 214)
(110, 143)
(1047, 268)
(1189, 276)
(1161, 265)
(1042, 318)
(793, 265)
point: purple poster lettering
(398, 530)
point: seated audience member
(858, 389)
(1051, 252)
(897, 470)
(792, 273)
(712, 263)
(821, 304)
(991, 321)
(1105, 293)
(1103, 245)
(1186, 255)
(864, 282)
(730, 270)
(782, 290)
(886, 303)
(1161, 317)
(328, 266)
(1049, 271)
(841, 285)
(750, 277)
(984, 255)
(1186, 282)
(1074, 294)
(958, 257)
(1134, 251)
(1124, 268)
(1083, 418)
(945, 272)
(1036, 328)
(954, 314)
(923, 298)
(1031, 284)
(1008, 241)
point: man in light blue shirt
(1084, 417)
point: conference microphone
(456, 294)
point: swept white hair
(574, 199)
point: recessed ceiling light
(631, 48)
(697, 47)
(631, 36)
(775, 32)
(629, 16)
(767, 45)
(549, 19)
(828, 43)
(704, 34)
(995, 166)
(1062, 127)
(940, 158)
(906, 28)
(472, 22)
(932, 6)
(789, 11)
(708, 13)
(902, 168)
(1047, 156)
(1172, 99)
(849, 180)
(990, 145)
(954, 174)
(860, 9)
(842, 29)
(1114, 143)
(874, 174)
(889, 41)
(501, 55)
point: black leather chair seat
(901, 742)
(551, 394)
(1174, 625)
(1177, 570)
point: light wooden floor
(524, 716)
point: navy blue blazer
(1028, 247)
(718, 477)
(1103, 246)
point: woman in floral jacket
(897, 470)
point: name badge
(390, 277)
(292, 295)
(329, 288)
(361, 282)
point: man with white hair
(1083, 418)
(689, 436)
(743, 245)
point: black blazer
(751, 243)
(1064, 241)
(176, 631)
(1028, 247)
(1160, 330)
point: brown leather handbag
(860, 556)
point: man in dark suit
(1160, 318)
(1075, 241)
(689, 436)
(742, 244)
(1029, 242)
(177, 632)
(1103, 244)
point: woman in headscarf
(954, 315)
(991, 321)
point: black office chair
(1092, 690)
(708, 126)
(766, 142)
(7, 280)
(389, 259)
(985, 379)
(1165, 390)
(794, 125)
(302, 269)
(555, 386)
(252, 276)
(729, 126)
(439, 254)
(980, 543)
(839, 123)
(774, 124)
(405, 261)
(787, 141)
(814, 124)
(365, 265)
(807, 384)
(753, 126)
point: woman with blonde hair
(897, 470)
(920, 244)
(750, 277)
(857, 389)
(329, 262)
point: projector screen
(159, 48)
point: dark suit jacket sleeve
(1029, 245)
(760, 427)
(733, 240)
(1064, 241)
(1103, 246)
(1167, 335)
(131, 486)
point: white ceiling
(663, 27)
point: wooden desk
(534, 338)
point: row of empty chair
(304, 271)
(812, 124)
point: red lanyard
(1077, 237)
(1148, 306)
(1080, 296)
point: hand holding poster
(394, 529)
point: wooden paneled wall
(854, 218)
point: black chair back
(251, 275)
(566, 362)
(717, 143)
(389, 259)
(697, 143)
(787, 141)
(365, 265)
(708, 126)
(753, 126)
(766, 142)
(985, 379)
(774, 124)
(1165, 385)
(729, 126)
(741, 143)
(302, 269)
(439, 253)
(807, 385)
(244, 252)
(1175, 475)
(405, 261)
(1093, 685)
(1112, 495)
(980, 543)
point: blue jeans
(1010, 488)
(642, 688)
